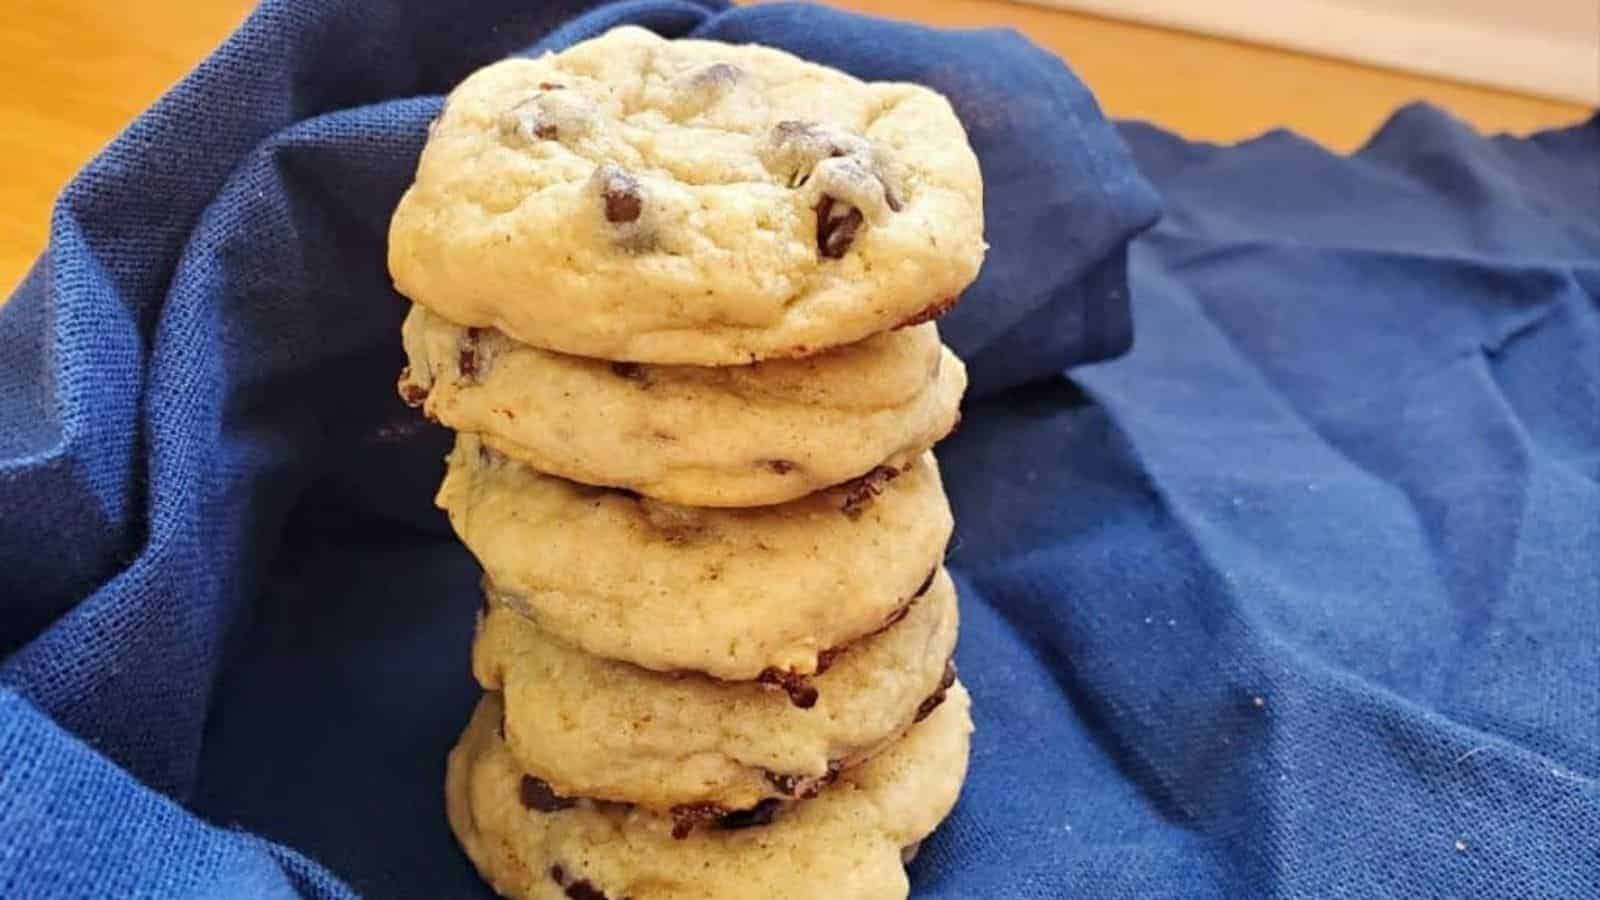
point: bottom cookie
(845, 844)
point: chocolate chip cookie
(847, 843)
(688, 202)
(739, 594)
(699, 436)
(687, 744)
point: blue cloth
(1299, 598)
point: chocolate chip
(627, 370)
(815, 787)
(937, 697)
(837, 224)
(529, 121)
(780, 466)
(926, 583)
(537, 794)
(804, 787)
(718, 74)
(623, 197)
(798, 687)
(468, 361)
(828, 657)
(788, 785)
(577, 890)
(412, 393)
(845, 169)
(860, 491)
(688, 816)
(760, 814)
(583, 890)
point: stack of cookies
(676, 300)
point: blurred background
(1224, 70)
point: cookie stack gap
(676, 299)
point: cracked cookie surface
(739, 594)
(847, 843)
(688, 202)
(747, 435)
(596, 728)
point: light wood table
(79, 70)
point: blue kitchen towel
(1299, 598)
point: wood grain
(79, 70)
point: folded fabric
(1301, 597)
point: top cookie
(688, 202)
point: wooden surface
(77, 70)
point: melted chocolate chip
(798, 687)
(860, 491)
(468, 361)
(412, 393)
(801, 691)
(538, 795)
(623, 198)
(627, 370)
(580, 889)
(930, 312)
(828, 657)
(583, 890)
(837, 224)
(780, 466)
(787, 785)
(804, 787)
(688, 816)
(937, 697)
(760, 814)
(530, 121)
